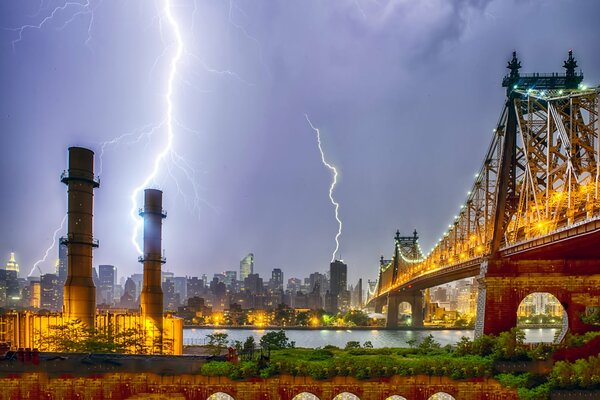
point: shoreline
(328, 328)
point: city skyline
(249, 171)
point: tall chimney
(151, 301)
(79, 290)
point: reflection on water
(378, 338)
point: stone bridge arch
(306, 396)
(441, 396)
(528, 308)
(346, 396)
(220, 396)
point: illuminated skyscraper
(50, 290)
(246, 266)
(12, 265)
(63, 263)
(338, 296)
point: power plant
(158, 334)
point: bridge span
(531, 221)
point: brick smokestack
(79, 290)
(151, 301)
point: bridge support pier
(392, 312)
(575, 283)
(414, 298)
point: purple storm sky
(405, 93)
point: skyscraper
(338, 273)
(50, 290)
(106, 287)
(62, 263)
(276, 279)
(246, 266)
(12, 265)
(338, 284)
(230, 278)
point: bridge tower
(545, 235)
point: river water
(379, 338)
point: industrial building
(158, 333)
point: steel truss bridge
(531, 221)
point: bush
(216, 368)
(320, 355)
(509, 345)
(484, 345)
(353, 344)
(275, 340)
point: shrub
(216, 368)
(320, 355)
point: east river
(379, 338)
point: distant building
(338, 287)
(35, 292)
(276, 282)
(129, 299)
(180, 283)
(50, 289)
(138, 279)
(106, 288)
(10, 293)
(230, 278)
(246, 266)
(294, 284)
(12, 265)
(253, 284)
(63, 262)
(195, 287)
(356, 294)
(171, 300)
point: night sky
(405, 93)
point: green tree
(283, 315)
(217, 342)
(428, 344)
(352, 344)
(302, 318)
(275, 340)
(249, 346)
(76, 337)
(356, 318)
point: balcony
(152, 257)
(65, 177)
(79, 239)
(146, 210)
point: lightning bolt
(168, 149)
(69, 10)
(76, 8)
(43, 259)
(168, 158)
(335, 204)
